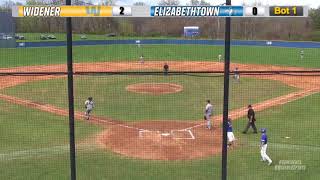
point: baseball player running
(89, 105)
(263, 147)
(230, 134)
(208, 113)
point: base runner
(263, 147)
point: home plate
(165, 134)
(287, 137)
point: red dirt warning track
(160, 140)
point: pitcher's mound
(154, 88)
(162, 140)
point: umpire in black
(251, 120)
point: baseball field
(151, 126)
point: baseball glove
(205, 117)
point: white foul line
(294, 96)
(277, 99)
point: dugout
(191, 31)
(7, 30)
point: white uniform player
(219, 57)
(141, 60)
(301, 54)
(208, 113)
(230, 134)
(89, 105)
(236, 74)
(263, 146)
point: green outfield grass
(113, 100)
(239, 54)
(243, 162)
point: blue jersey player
(230, 134)
(263, 147)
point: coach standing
(251, 120)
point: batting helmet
(263, 130)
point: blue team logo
(231, 11)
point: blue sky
(310, 3)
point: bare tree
(315, 16)
(8, 4)
(194, 2)
(109, 2)
(32, 2)
(169, 2)
(204, 3)
(139, 4)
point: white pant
(230, 136)
(236, 77)
(263, 153)
(208, 121)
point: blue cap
(263, 130)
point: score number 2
(121, 11)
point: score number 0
(254, 11)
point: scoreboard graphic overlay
(159, 11)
